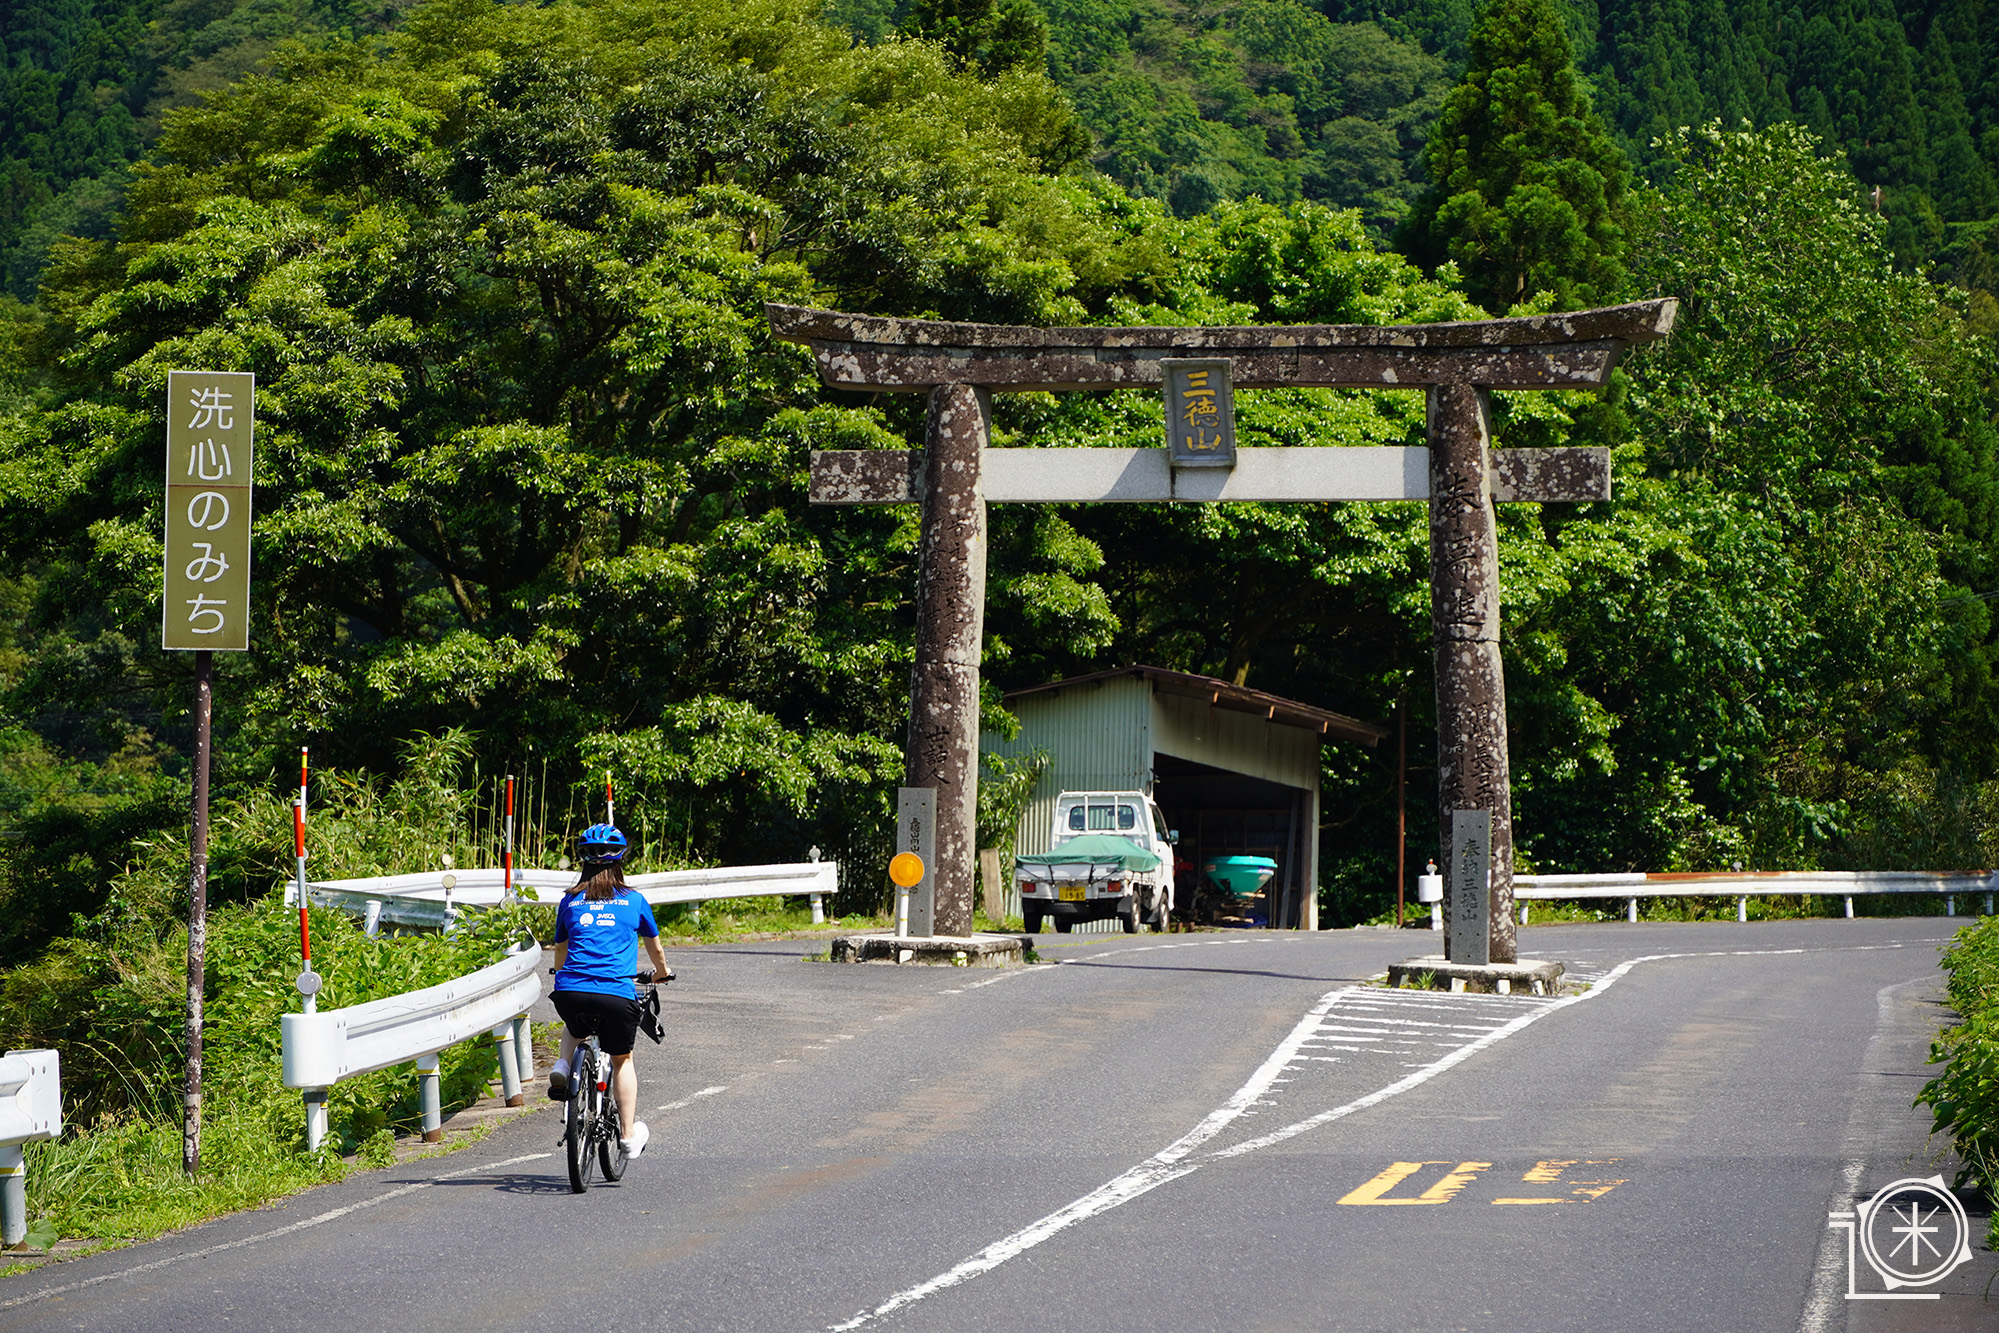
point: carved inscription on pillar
(1472, 769)
(943, 747)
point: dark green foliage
(990, 36)
(1527, 186)
(84, 83)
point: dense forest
(530, 465)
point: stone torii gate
(956, 474)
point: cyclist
(598, 926)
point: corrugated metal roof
(1237, 698)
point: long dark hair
(601, 880)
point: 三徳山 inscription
(1200, 413)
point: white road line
(691, 1098)
(1007, 975)
(1170, 1164)
(1156, 1170)
(270, 1235)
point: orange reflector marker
(906, 869)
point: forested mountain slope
(1191, 102)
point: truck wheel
(1030, 917)
(1130, 917)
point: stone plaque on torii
(956, 474)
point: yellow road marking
(1441, 1192)
(1550, 1172)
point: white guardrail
(433, 900)
(1742, 886)
(30, 1109)
(320, 1049)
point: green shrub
(377, 1150)
(1965, 1097)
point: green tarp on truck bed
(1097, 849)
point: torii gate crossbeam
(1455, 364)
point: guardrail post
(372, 922)
(1950, 904)
(818, 909)
(315, 1118)
(1849, 907)
(1523, 911)
(1742, 909)
(524, 1049)
(510, 1069)
(13, 1195)
(1988, 904)
(433, 1118)
(1631, 909)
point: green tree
(990, 36)
(1780, 619)
(1527, 187)
(529, 460)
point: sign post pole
(205, 609)
(197, 910)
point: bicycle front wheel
(580, 1121)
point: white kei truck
(1110, 855)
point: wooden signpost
(956, 475)
(211, 418)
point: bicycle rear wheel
(580, 1129)
(611, 1130)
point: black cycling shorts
(613, 1018)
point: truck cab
(1109, 855)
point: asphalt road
(1207, 1132)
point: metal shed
(1234, 770)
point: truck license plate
(1072, 893)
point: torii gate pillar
(943, 748)
(1473, 767)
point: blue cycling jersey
(603, 940)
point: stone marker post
(1467, 892)
(916, 833)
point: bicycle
(591, 1127)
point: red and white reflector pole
(308, 980)
(507, 852)
(610, 807)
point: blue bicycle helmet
(600, 844)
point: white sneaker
(636, 1144)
